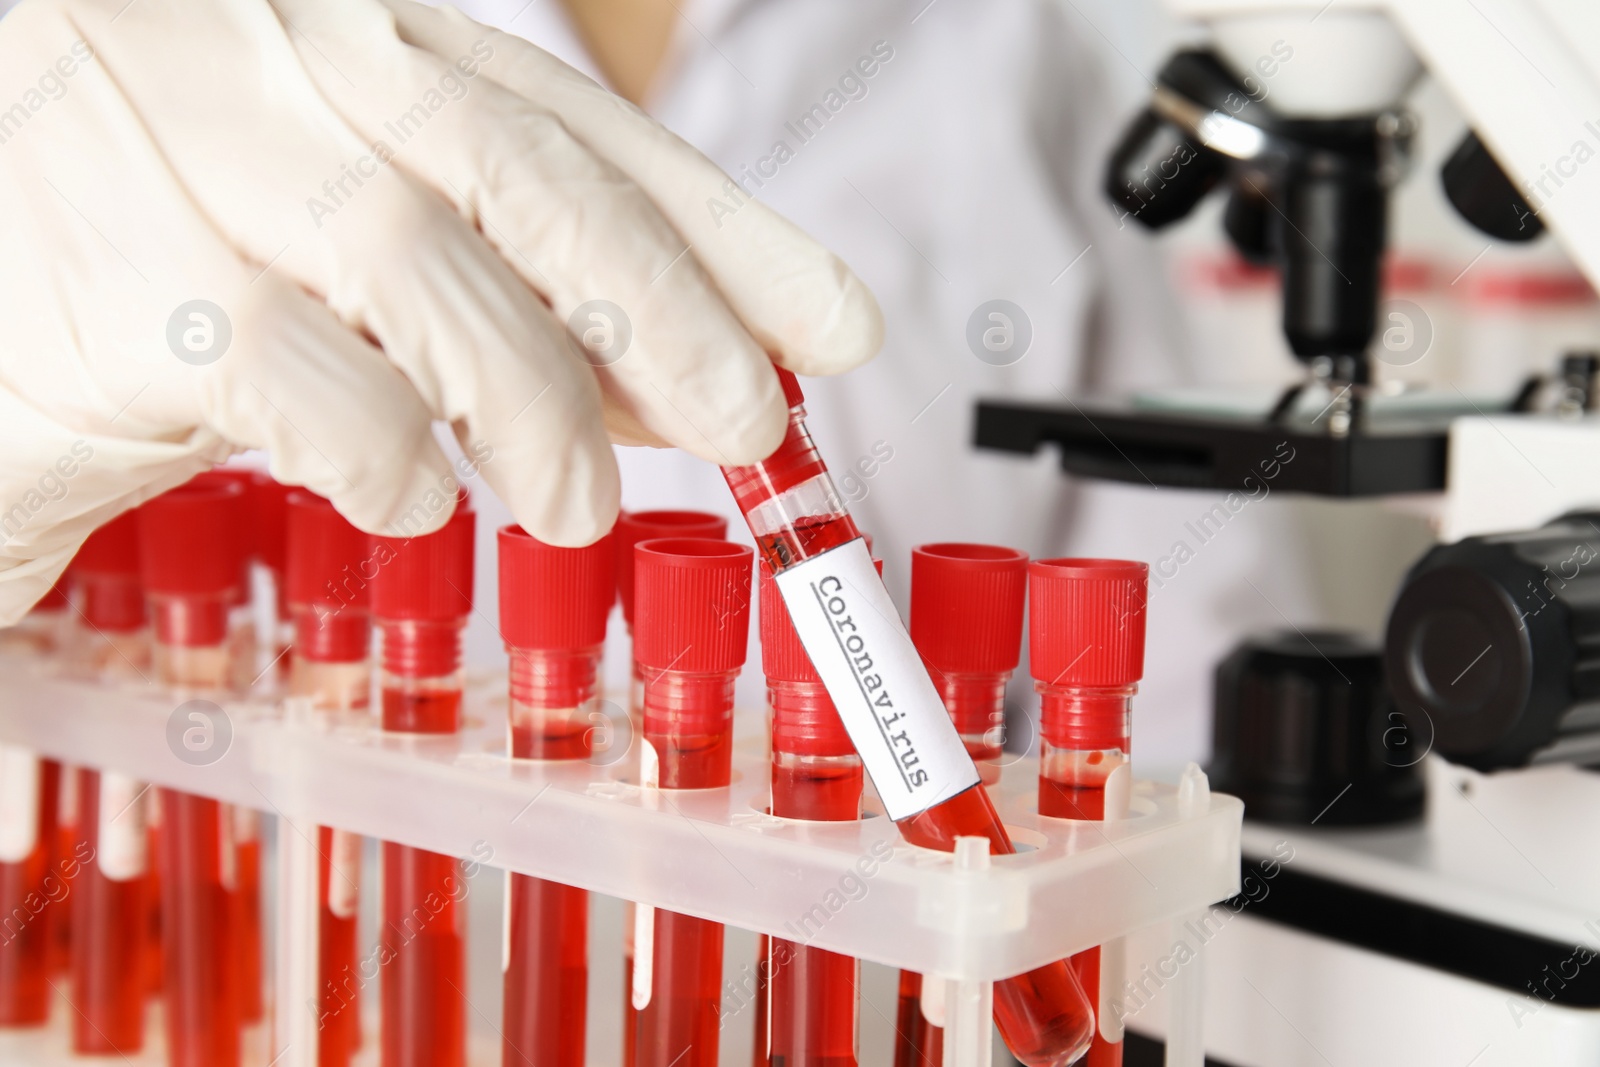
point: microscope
(1421, 880)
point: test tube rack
(855, 888)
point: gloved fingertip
(843, 331)
(580, 507)
(755, 432)
(419, 502)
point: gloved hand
(315, 226)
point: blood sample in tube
(966, 621)
(421, 597)
(631, 528)
(1086, 652)
(192, 566)
(813, 995)
(553, 608)
(111, 900)
(691, 623)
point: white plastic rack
(854, 888)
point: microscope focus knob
(1493, 646)
(1483, 195)
(1303, 732)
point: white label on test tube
(67, 802)
(505, 925)
(124, 832)
(644, 916)
(888, 704)
(227, 848)
(644, 955)
(19, 803)
(246, 824)
(344, 873)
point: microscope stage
(1206, 440)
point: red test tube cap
(246, 480)
(966, 606)
(112, 551)
(648, 525)
(692, 604)
(426, 578)
(269, 502)
(106, 569)
(55, 598)
(552, 598)
(325, 555)
(783, 657)
(1086, 625)
(190, 539)
(328, 563)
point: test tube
(927, 781)
(631, 528)
(421, 597)
(29, 790)
(113, 640)
(111, 900)
(917, 1043)
(327, 567)
(553, 608)
(192, 567)
(65, 861)
(691, 624)
(1086, 653)
(812, 994)
(966, 621)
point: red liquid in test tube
(193, 572)
(918, 1043)
(691, 624)
(29, 788)
(111, 896)
(64, 860)
(812, 995)
(966, 621)
(553, 608)
(421, 597)
(1086, 652)
(28, 827)
(929, 784)
(325, 593)
(631, 528)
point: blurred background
(951, 152)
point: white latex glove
(395, 211)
